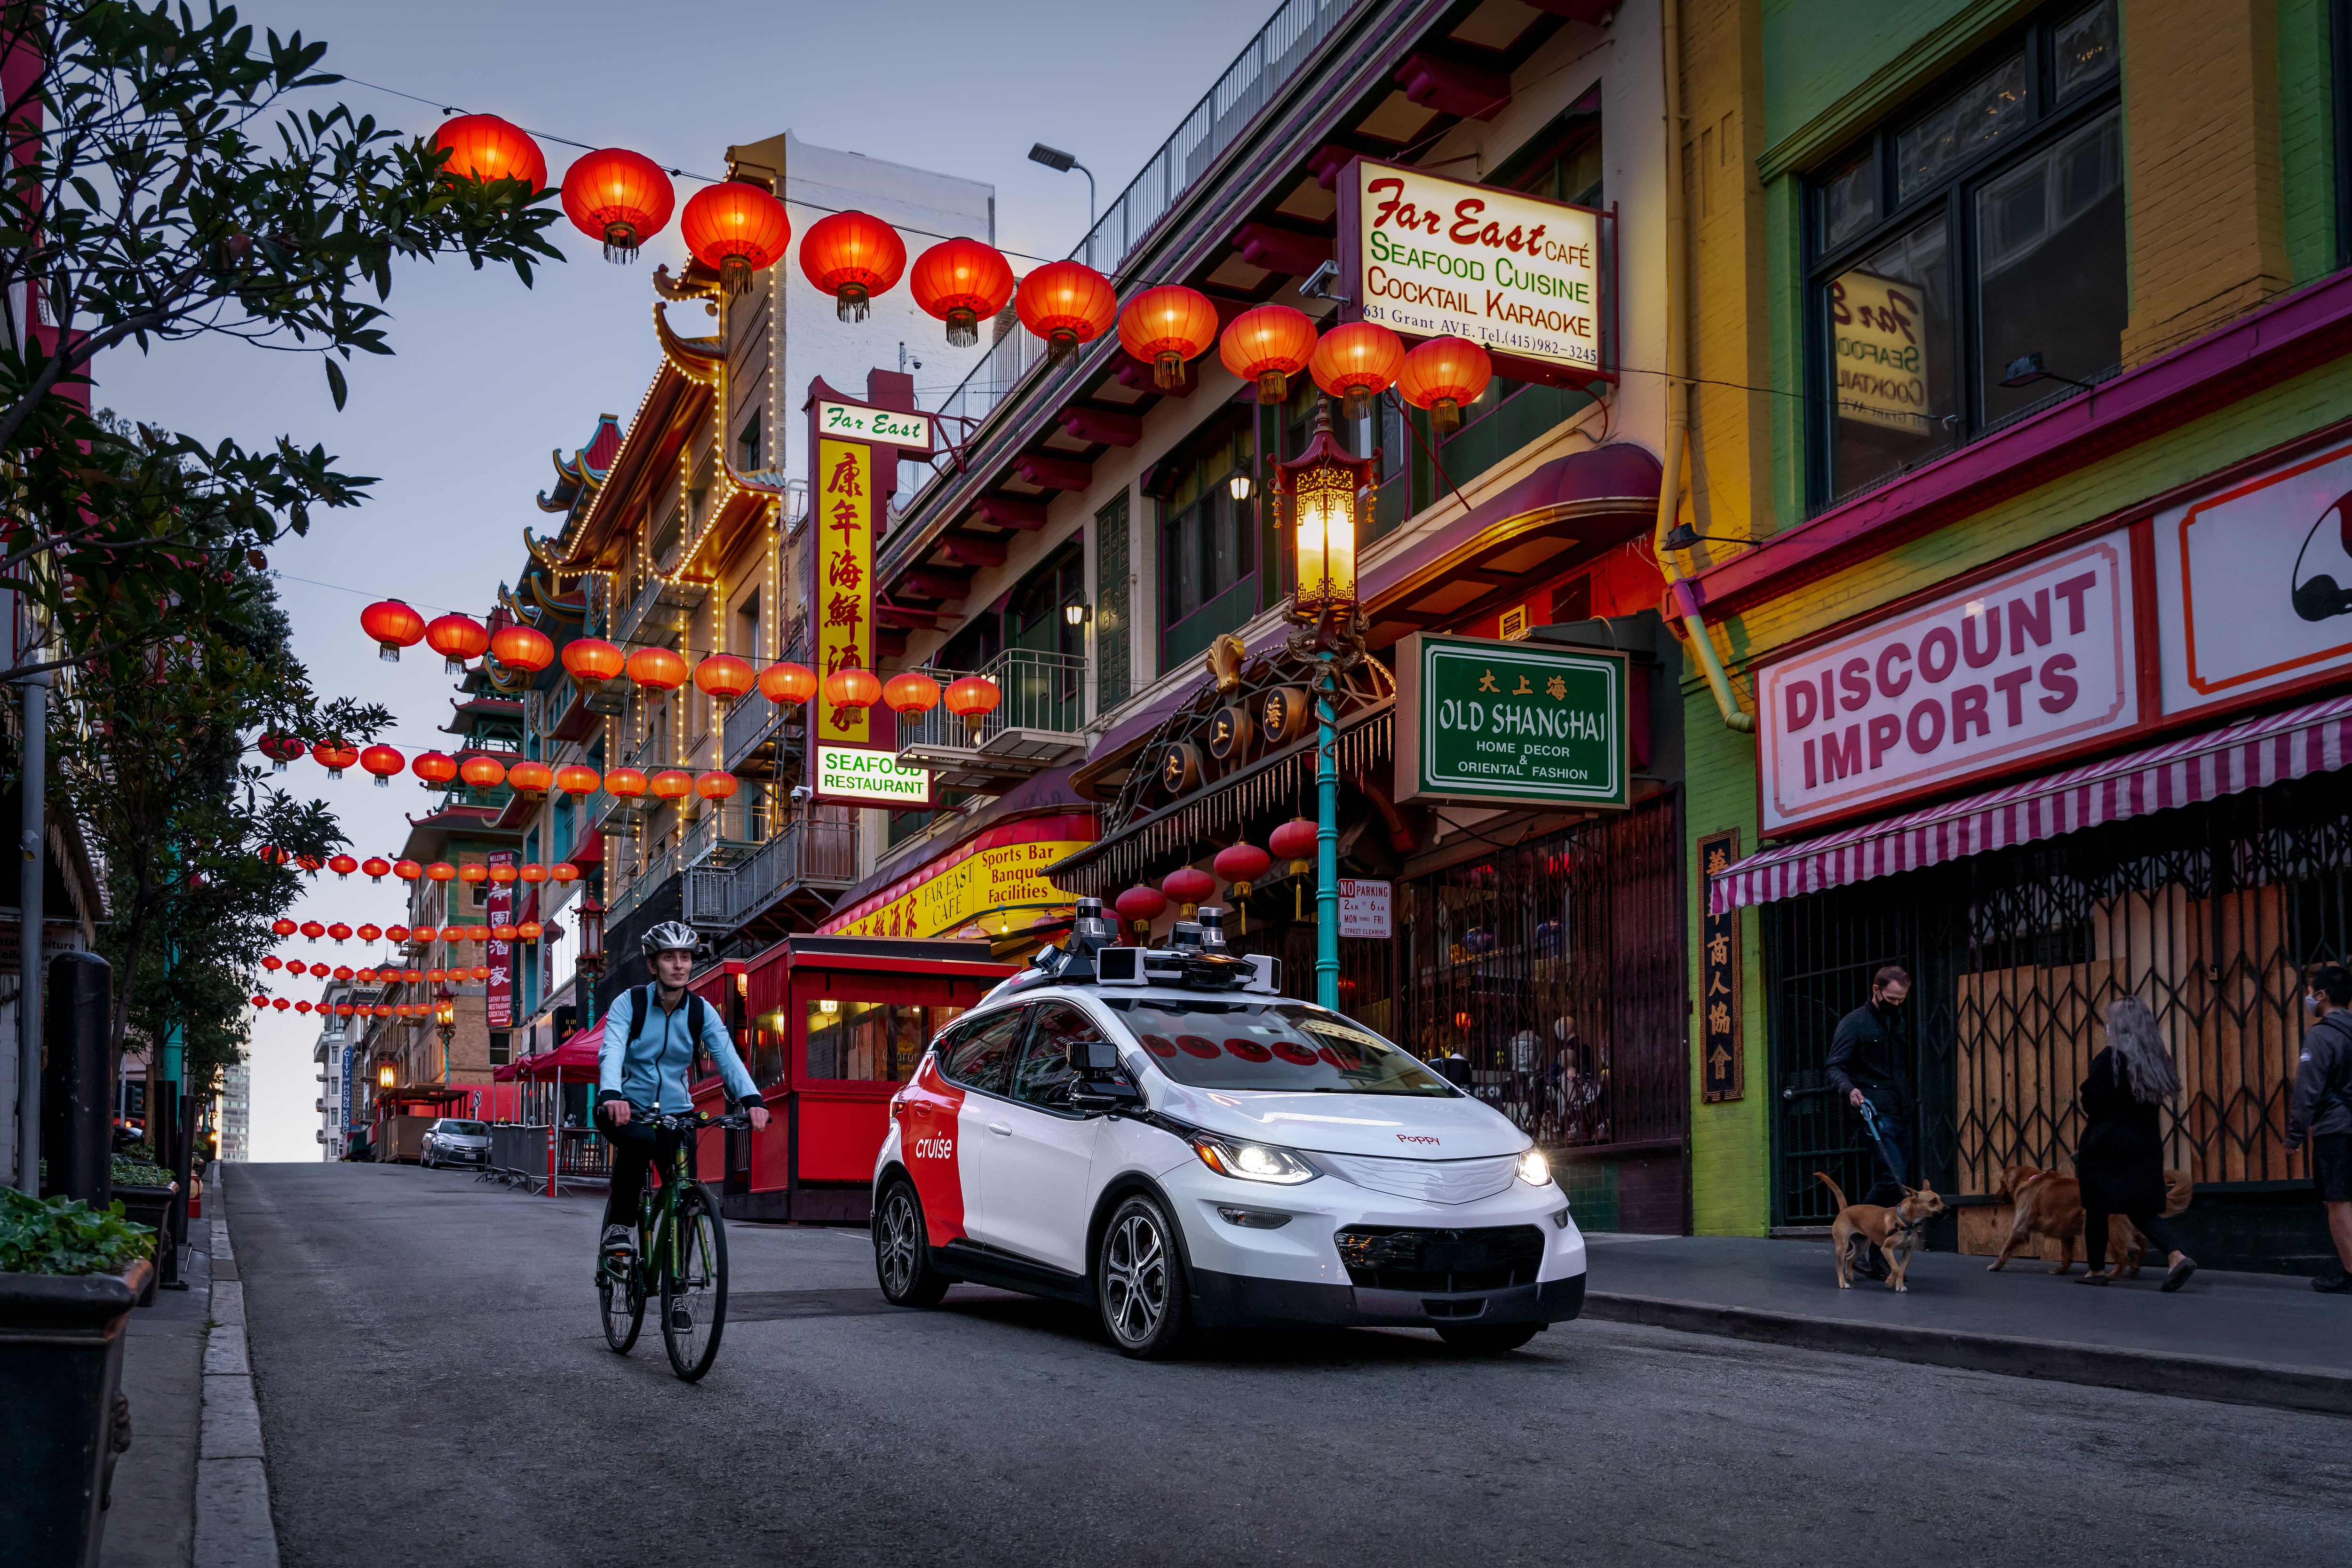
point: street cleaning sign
(1511, 722)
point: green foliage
(128, 1172)
(65, 1236)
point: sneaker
(617, 1242)
(2339, 1286)
(2178, 1274)
(681, 1319)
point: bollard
(78, 1080)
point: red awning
(576, 1058)
(2247, 755)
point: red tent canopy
(575, 1058)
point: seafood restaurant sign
(2036, 662)
(1523, 279)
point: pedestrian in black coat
(2120, 1162)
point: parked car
(452, 1141)
(1164, 1136)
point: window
(746, 639)
(499, 1046)
(1044, 1076)
(1208, 549)
(983, 1058)
(1984, 228)
(747, 444)
(875, 1042)
(1287, 1047)
(1111, 572)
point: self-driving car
(1164, 1135)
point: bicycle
(681, 1256)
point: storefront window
(875, 1042)
(1984, 230)
(1208, 551)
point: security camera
(801, 791)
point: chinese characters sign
(1484, 720)
(843, 602)
(1722, 1064)
(499, 993)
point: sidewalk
(2248, 1339)
(152, 1521)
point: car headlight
(1252, 1162)
(1534, 1169)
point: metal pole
(1326, 835)
(31, 833)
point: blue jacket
(650, 1073)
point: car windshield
(1278, 1047)
(467, 1129)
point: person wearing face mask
(2321, 1111)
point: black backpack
(694, 1012)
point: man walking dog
(1865, 1066)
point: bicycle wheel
(694, 1285)
(623, 1301)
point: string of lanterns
(1240, 865)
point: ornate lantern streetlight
(445, 1021)
(1321, 493)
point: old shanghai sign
(1520, 722)
(2036, 661)
(1431, 257)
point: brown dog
(1896, 1230)
(2044, 1203)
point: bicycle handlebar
(694, 1121)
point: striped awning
(2247, 755)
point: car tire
(902, 1252)
(1139, 1286)
(1488, 1339)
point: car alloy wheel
(1139, 1281)
(902, 1262)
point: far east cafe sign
(853, 452)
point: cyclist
(650, 1035)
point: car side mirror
(1089, 1057)
(1104, 1097)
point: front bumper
(1237, 1301)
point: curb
(233, 1522)
(2144, 1372)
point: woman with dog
(2120, 1162)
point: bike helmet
(671, 936)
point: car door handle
(1000, 1129)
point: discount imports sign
(1431, 257)
(1527, 722)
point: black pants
(635, 1148)
(1886, 1180)
(2152, 1225)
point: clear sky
(489, 376)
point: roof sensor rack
(1195, 960)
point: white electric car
(1161, 1133)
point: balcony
(726, 833)
(798, 873)
(1035, 726)
(656, 594)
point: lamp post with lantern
(1320, 491)
(445, 1023)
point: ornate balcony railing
(815, 855)
(1035, 723)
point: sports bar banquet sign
(2036, 662)
(1523, 279)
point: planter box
(60, 1377)
(151, 1207)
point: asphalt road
(434, 1389)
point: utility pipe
(1670, 487)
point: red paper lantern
(280, 749)
(342, 865)
(1241, 864)
(672, 784)
(272, 961)
(262, 1002)
(393, 625)
(282, 1004)
(531, 931)
(591, 661)
(434, 767)
(1355, 362)
(441, 871)
(502, 875)
(502, 933)
(376, 867)
(423, 936)
(531, 778)
(484, 147)
(301, 1006)
(472, 873)
(383, 761)
(369, 932)
(1294, 841)
(716, 785)
(483, 772)
(534, 872)
(283, 926)
(397, 933)
(851, 257)
(407, 870)
(334, 756)
(735, 229)
(480, 971)
(618, 196)
(658, 669)
(723, 675)
(456, 638)
(576, 779)
(787, 684)
(1268, 345)
(1443, 375)
(624, 783)
(1067, 303)
(523, 648)
(912, 691)
(1188, 885)
(312, 930)
(853, 688)
(434, 977)
(971, 699)
(960, 281)
(1166, 328)
(1142, 905)
(343, 972)
(563, 872)
(339, 931)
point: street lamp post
(1322, 488)
(445, 1021)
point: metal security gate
(2208, 913)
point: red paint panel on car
(929, 1142)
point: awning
(2248, 756)
(576, 1057)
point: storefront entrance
(2208, 913)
